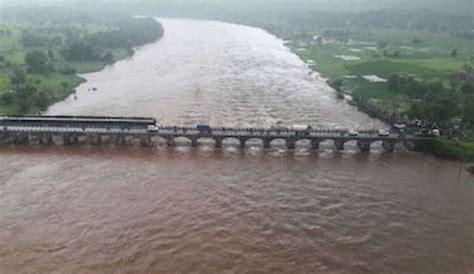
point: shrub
(454, 150)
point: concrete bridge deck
(27, 134)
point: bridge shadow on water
(204, 151)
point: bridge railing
(264, 131)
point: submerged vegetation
(42, 51)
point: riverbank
(454, 150)
(41, 63)
(393, 61)
(400, 82)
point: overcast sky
(464, 5)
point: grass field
(57, 86)
(431, 60)
(91, 66)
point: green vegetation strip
(40, 55)
(454, 150)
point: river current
(160, 210)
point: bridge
(97, 134)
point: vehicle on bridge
(203, 127)
(384, 133)
(430, 132)
(279, 126)
(301, 129)
(79, 122)
(400, 128)
(353, 133)
(153, 128)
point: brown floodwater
(159, 210)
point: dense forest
(281, 16)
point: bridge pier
(170, 141)
(339, 144)
(219, 142)
(3, 136)
(243, 143)
(120, 140)
(21, 139)
(315, 144)
(388, 146)
(8, 138)
(267, 144)
(410, 145)
(364, 146)
(66, 140)
(194, 142)
(145, 141)
(46, 139)
(291, 144)
(70, 139)
(95, 139)
(418, 146)
(34, 138)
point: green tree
(18, 78)
(42, 100)
(37, 62)
(394, 82)
(416, 41)
(50, 54)
(25, 97)
(454, 53)
(81, 52)
(416, 111)
(108, 57)
(468, 88)
(382, 44)
(436, 87)
(468, 115)
(337, 84)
